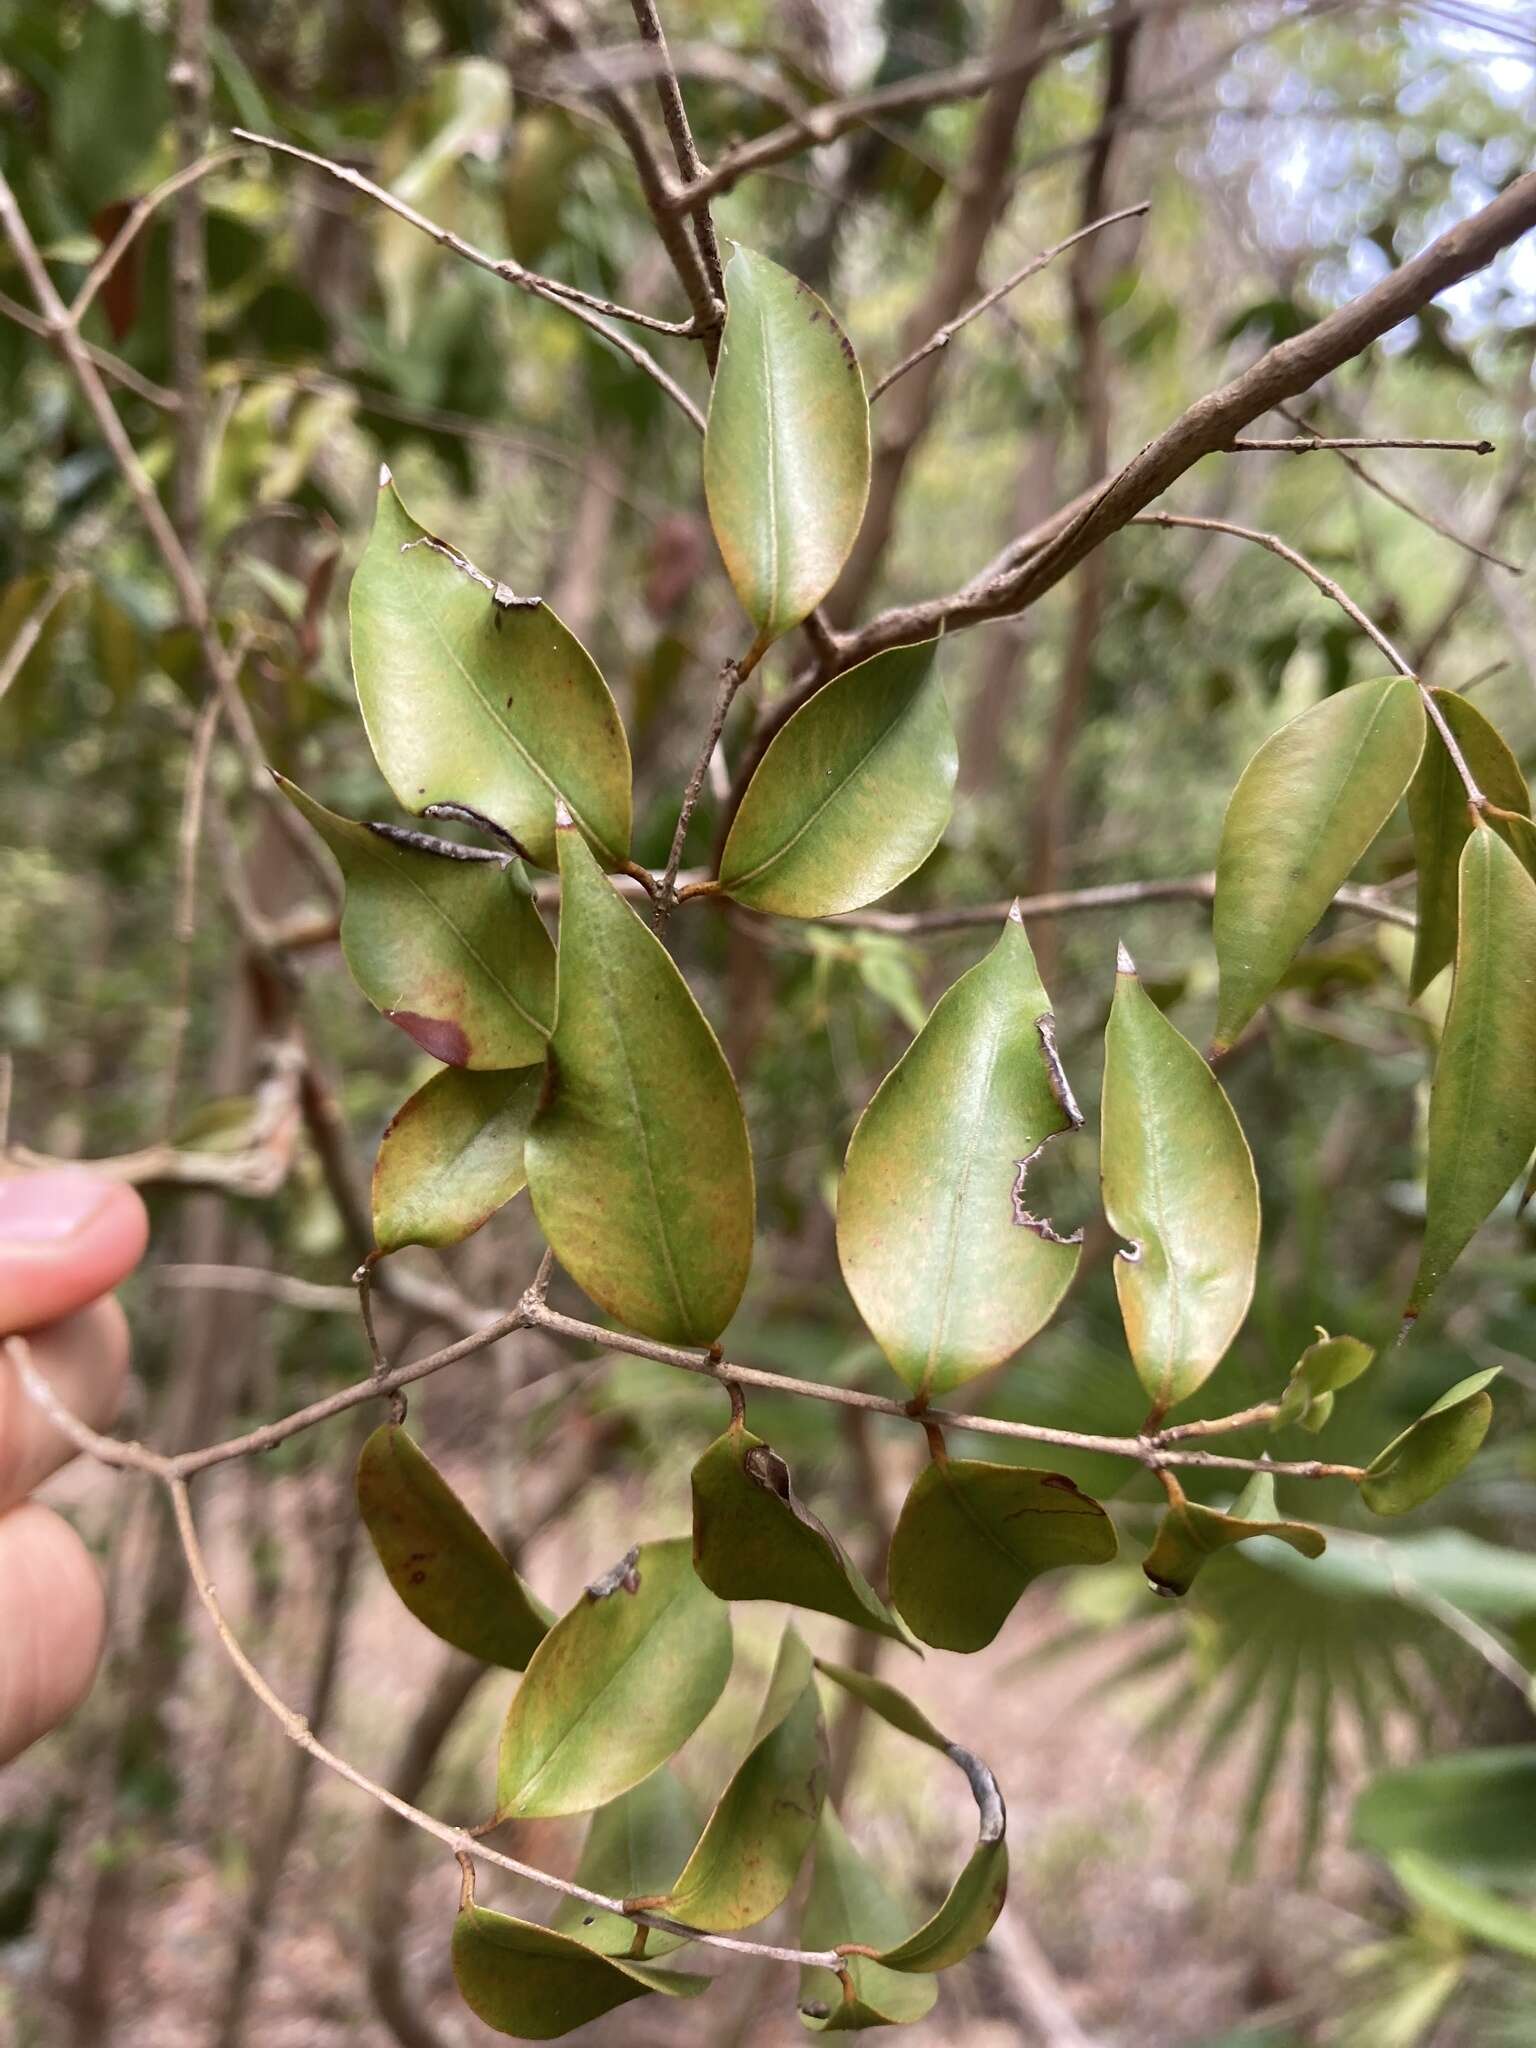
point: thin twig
(1101, 896)
(109, 365)
(1346, 603)
(732, 675)
(281, 1287)
(1312, 444)
(674, 114)
(582, 305)
(943, 336)
(113, 254)
(189, 839)
(30, 631)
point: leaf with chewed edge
(452, 1156)
(1179, 1187)
(475, 703)
(439, 1560)
(947, 1266)
(616, 1687)
(444, 940)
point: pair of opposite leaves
(1303, 813)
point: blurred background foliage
(1290, 155)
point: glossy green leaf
(447, 945)
(535, 1984)
(1305, 809)
(853, 794)
(1320, 1372)
(949, 1268)
(1432, 1451)
(1497, 1922)
(972, 1536)
(848, 1903)
(1179, 1187)
(1437, 810)
(1474, 1810)
(750, 1853)
(973, 1902)
(1482, 1105)
(439, 1560)
(616, 1687)
(755, 1539)
(476, 703)
(635, 1847)
(786, 455)
(638, 1159)
(1189, 1534)
(452, 1155)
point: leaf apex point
(386, 476)
(1015, 912)
(563, 819)
(1124, 964)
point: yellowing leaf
(1437, 810)
(1482, 1106)
(949, 1266)
(447, 944)
(452, 1155)
(853, 794)
(618, 1684)
(477, 704)
(754, 1539)
(638, 1161)
(755, 1842)
(536, 1984)
(635, 1847)
(786, 455)
(972, 1536)
(1305, 809)
(1179, 1187)
(439, 1560)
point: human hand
(66, 1239)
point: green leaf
(848, 1903)
(534, 1983)
(1189, 1534)
(1179, 1186)
(635, 1847)
(1432, 1451)
(947, 1266)
(972, 1536)
(616, 1687)
(755, 1842)
(1322, 1369)
(786, 455)
(1482, 1105)
(1474, 1809)
(755, 1539)
(478, 705)
(110, 104)
(853, 794)
(1437, 810)
(638, 1160)
(447, 945)
(970, 1909)
(1498, 1923)
(439, 1560)
(452, 1155)
(1305, 809)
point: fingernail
(46, 1208)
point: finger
(66, 1236)
(85, 1360)
(52, 1622)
